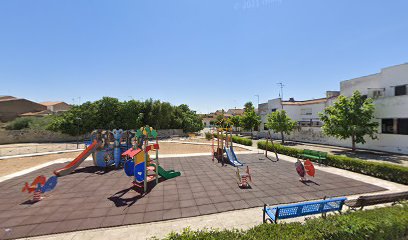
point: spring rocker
(244, 178)
(305, 168)
(139, 164)
(40, 186)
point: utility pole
(281, 92)
(257, 95)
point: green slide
(168, 174)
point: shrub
(19, 123)
(208, 136)
(386, 171)
(241, 140)
(379, 223)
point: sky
(209, 54)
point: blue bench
(302, 209)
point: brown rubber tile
(91, 198)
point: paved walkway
(369, 155)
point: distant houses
(12, 107)
(210, 119)
(56, 107)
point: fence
(38, 148)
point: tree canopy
(250, 120)
(350, 117)
(109, 113)
(279, 121)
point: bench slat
(304, 209)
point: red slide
(77, 161)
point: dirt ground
(180, 148)
(8, 166)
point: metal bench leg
(263, 214)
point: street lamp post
(78, 119)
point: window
(378, 94)
(400, 90)
(306, 111)
(273, 110)
(387, 125)
(402, 124)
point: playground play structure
(39, 186)
(225, 145)
(140, 165)
(106, 148)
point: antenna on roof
(281, 90)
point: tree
(350, 118)
(248, 106)
(236, 121)
(220, 119)
(280, 122)
(109, 113)
(250, 120)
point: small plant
(380, 223)
(208, 136)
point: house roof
(235, 111)
(4, 97)
(51, 103)
(306, 102)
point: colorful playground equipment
(244, 178)
(303, 169)
(139, 164)
(224, 144)
(106, 148)
(40, 186)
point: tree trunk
(283, 138)
(353, 143)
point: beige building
(56, 107)
(12, 107)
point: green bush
(19, 123)
(386, 171)
(110, 113)
(34, 123)
(208, 136)
(239, 140)
(379, 223)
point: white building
(306, 113)
(388, 88)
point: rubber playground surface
(91, 198)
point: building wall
(59, 107)
(11, 109)
(296, 112)
(385, 142)
(388, 106)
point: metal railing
(38, 148)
